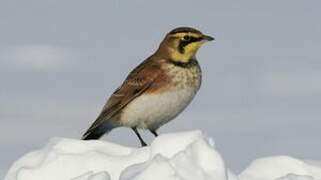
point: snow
(176, 156)
(282, 168)
(93, 176)
(295, 177)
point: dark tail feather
(92, 135)
(97, 132)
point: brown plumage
(172, 68)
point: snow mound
(282, 168)
(178, 156)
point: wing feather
(137, 82)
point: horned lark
(157, 90)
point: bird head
(181, 44)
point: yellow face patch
(187, 51)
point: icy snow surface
(282, 168)
(180, 156)
(177, 156)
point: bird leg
(139, 137)
(154, 132)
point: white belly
(153, 110)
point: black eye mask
(184, 42)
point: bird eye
(187, 38)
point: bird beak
(208, 38)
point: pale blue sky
(261, 93)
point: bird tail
(97, 132)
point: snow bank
(179, 156)
(282, 168)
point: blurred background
(261, 94)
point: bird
(157, 90)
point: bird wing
(137, 82)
